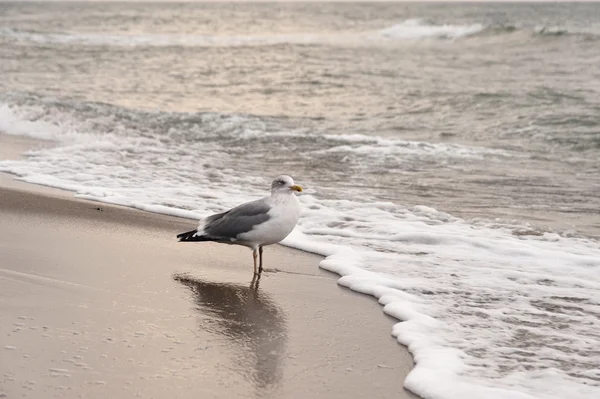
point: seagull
(253, 224)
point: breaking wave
(411, 29)
(418, 29)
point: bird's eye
(280, 182)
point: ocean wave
(54, 119)
(418, 29)
(160, 40)
(411, 29)
(556, 31)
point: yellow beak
(296, 188)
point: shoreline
(101, 299)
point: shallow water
(450, 154)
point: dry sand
(100, 301)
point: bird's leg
(255, 255)
(260, 268)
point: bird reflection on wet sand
(247, 317)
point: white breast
(283, 216)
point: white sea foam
(410, 29)
(486, 313)
(418, 29)
(25, 124)
(369, 146)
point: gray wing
(238, 220)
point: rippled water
(519, 79)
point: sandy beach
(101, 301)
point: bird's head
(284, 184)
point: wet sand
(101, 301)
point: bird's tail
(192, 235)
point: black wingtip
(193, 236)
(187, 236)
